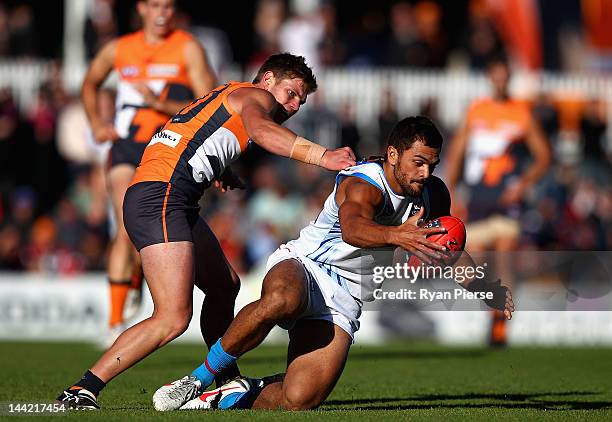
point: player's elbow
(351, 237)
(88, 88)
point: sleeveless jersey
(496, 129)
(162, 67)
(493, 127)
(352, 267)
(196, 145)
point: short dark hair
(288, 66)
(412, 129)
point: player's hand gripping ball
(453, 239)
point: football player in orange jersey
(178, 250)
(160, 70)
(486, 150)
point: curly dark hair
(288, 66)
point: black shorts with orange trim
(158, 212)
(126, 151)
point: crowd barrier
(42, 308)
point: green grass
(399, 381)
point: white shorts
(327, 300)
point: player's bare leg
(168, 268)
(217, 279)
(315, 347)
(122, 253)
(283, 298)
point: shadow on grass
(506, 401)
(279, 357)
(364, 355)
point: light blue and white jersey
(353, 267)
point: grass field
(399, 381)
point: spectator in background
(48, 171)
(401, 49)
(349, 132)
(303, 33)
(429, 108)
(546, 114)
(483, 42)
(77, 145)
(417, 39)
(593, 128)
(388, 117)
(269, 16)
(332, 48)
(22, 38)
(9, 143)
(10, 248)
(431, 40)
(100, 26)
(214, 41)
(4, 32)
(367, 40)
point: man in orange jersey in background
(192, 151)
(160, 70)
(489, 150)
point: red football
(453, 239)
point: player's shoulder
(182, 35)
(136, 37)
(480, 103)
(242, 93)
(362, 183)
(438, 196)
(183, 39)
(367, 167)
(368, 171)
(436, 186)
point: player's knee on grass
(300, 397)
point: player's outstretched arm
(359, 202)
(98, 71)
(257, 106)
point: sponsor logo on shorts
(166, 137)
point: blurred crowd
(54, 214)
